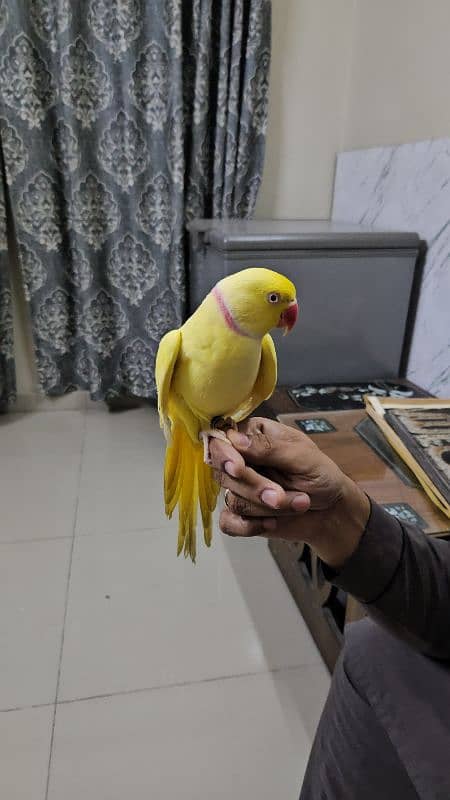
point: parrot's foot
(205, 436)
(223, 424)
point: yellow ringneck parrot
(220, 364)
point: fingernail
(269, 524)
(230, 468)
(240, 440)
(270, 498)
(300, 502)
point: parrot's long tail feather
(188, 482)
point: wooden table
(325, 608)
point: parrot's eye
(273, 297)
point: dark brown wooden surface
(357, 459)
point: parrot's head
(258, 300)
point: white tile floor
(124, 671)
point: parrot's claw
(205, 436)
(223, 424)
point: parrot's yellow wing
(187, 480)
(166, 358)
(265, 382)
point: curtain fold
(7, 370)
(120, 121)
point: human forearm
(402, 577)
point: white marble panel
(407, 187)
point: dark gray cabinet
(354, 288)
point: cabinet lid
(295, 234)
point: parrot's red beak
(289, 317)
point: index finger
(242, 479)
(222, 453)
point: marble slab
(407, 187)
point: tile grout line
(90, 534)
(187, 684)
(66, 604)
(26, 708)
(168, 686)
(61, 538)
(87, 534)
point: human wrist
(343, 525)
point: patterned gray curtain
(120, 120)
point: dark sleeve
(402, 577)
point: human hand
(296, 492)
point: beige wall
(311, 42)
(400, 73)
(349, 74)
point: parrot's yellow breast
(216, 369)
